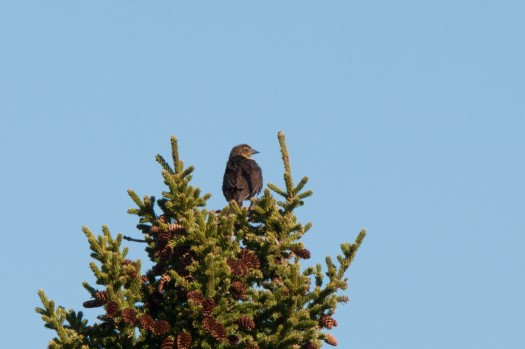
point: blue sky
(407, 116)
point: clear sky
(407, 116)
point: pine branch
(219, 278)
(286, 161)
(164, 164)
(127, 238)
(175, 155)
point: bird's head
(243, 150)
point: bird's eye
(246, 149)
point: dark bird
(243, 176)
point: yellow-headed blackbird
(243, 177)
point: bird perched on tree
(243, 176)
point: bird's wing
(235, 183)
(254, 178)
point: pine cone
(302, 253)
(93, 303)
(128, 262)
(196, 297)
(250, 259)
(240, 267)
(164, 279)
(168, 343)
(101, 295)
(146, 322)
(219, 332)
(246, 323)
(215, 328)
(207, 323)
(184, 340)
(238, 290)
(330, 339)
(168, 232)
(165, 253)
(233, 340)
(175, 228)
(237, 268)
(130, 268)
(207, 307)
(328, 322)
(164, 238)
(160, 328)
(112, 309)
(129, 316)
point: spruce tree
(220, 279)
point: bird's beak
(254, 151)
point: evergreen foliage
(220, 279)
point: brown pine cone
(246, 323)
(238, 290)
(207, 323)
(184, 341)
(164, 238)
(215, 328)
(168, 343)
(130, 268)
(250, 259)
(207, 307)
(237, 268)
(164, 253)
(101, 295)
(196, 297)
(233, 340)
(112, 309)
(93, 303)
(302, 253)
(164, 279)
(128, 262)
(310, 345)
(146, 322)
(160, 328)
(328, 322)
(330, 339)
(175, 228)
(129, 316)
(219, 332)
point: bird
(243, 176)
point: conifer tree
(220, 279)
